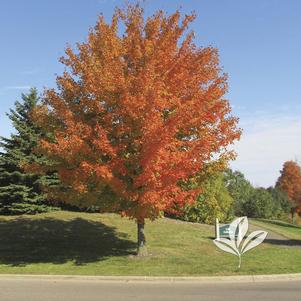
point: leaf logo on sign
(235, 244)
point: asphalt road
(75, 290)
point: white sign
(235, 244)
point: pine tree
(21, 192)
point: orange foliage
(290, 182)
(138, 112)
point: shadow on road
(24, 241)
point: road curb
(202, 279)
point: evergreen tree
(21, 192)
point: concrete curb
(136, 279)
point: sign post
(223, 230)
(217, 229)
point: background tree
(260, 204)
(134, 113)
(240, 190)
(213, 202)
(290, 183)
(255, 202)
(20, 192)
(282, 204)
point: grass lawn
(287, 230)
(104, 244)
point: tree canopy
(135, 112)
(290, 183)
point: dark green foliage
(228, 194)
(255, 202)
(267, 203)
(21, 192)
(282, 204)
(239, 188)
(260, 204)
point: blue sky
(259, 43)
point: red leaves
(138, 112)
(290, 182)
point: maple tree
(290, 182)
(135, 112)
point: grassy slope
(287, 230)
(95, 244)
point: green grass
(104, 244)
(287, 230)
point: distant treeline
(225, 194)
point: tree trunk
(141, 248)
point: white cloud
(5, 89)
(266, 143)
(24, 87)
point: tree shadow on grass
(24, 241)
(284, 242)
